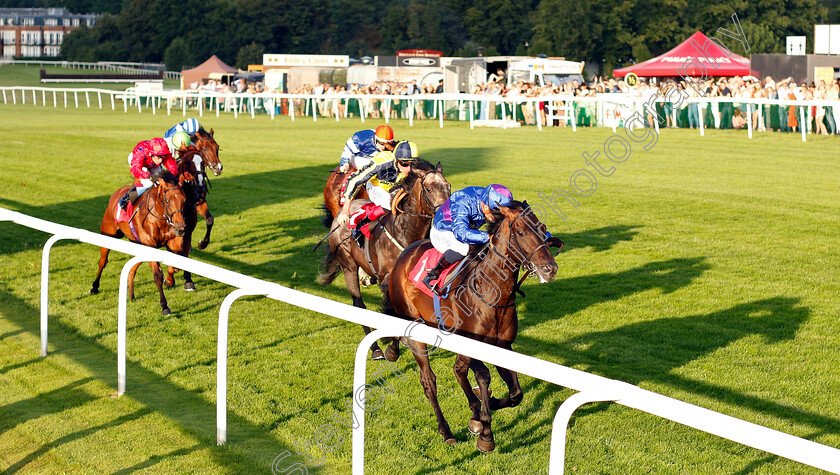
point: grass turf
(703, 269)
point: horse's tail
(327, 218)
(329, 268)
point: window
(75, 22)
(28, 22)
(51, 22)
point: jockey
(180, 139)
(456, 223)
(363, 145)
(147, 155)
(190, 126)
(385, 170)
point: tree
(250, 54)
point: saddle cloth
(121, 216)
(427, 262)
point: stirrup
(357, 236)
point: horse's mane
(408, 182)
(202, 132)
(493, 228)
(161, 173)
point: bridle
(166, 216)
(201, 145)
(425, 196)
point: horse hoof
(475, 427)
(377, 355)
(189, 287)
(202, 244)
(391, 355)
(486, 446)
(166, 311)
(93, 291)
(451, 441)
(168, 285)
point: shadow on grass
(251, 449)
(600, 239)
(578, 293)
(652, 351)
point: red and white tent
(688, 59)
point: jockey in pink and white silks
(147, 155)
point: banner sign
(318, 60)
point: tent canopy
(203, 71)
(700, 52)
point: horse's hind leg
(352, 280)
(103, 261)
(159, 283)
(169, 280)
(462, 369)
(429, 383)
(131, 275)
(204, 211)
(515, 392)
(485, 441)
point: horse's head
(209, 149)
(171, 200)
(434, 190)
(527, 240)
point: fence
(591, 388)
(122, 67)
(608, 110)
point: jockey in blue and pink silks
(456, 224)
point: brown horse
(481, 306)
(410, 220)
(161, 218)
(332, 191)
(209, 149)
(193, 180)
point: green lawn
(704, 269)
(28, 76)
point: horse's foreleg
(462, 369)
(103, 261)
(169, 280)
(351, 279)
(429, 383)
(204, 211)
(159, 283)
(131, 274)
(392, 353)
(485, 441)
(515, 392)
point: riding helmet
(406, 151)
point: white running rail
(591, 387)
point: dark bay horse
(332, 191)
(193, 180)
(209, 149)
(410, 220)
(481, 306)
(160, 219)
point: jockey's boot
(129, 195)
(434, 274)
(356, 232)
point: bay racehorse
(161, 218)
(481, 304)
(209, 150)
(193, 180)
(424, 190)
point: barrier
(591, 388)
(611, 109)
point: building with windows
(37, 32)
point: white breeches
(448, 244)
(378, 195)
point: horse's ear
(439, 167)
(211, 131)
(507, 212)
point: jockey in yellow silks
(385, 170)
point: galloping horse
(209, 149)
(332, 191)
(481, 306)
(410, 220)
(193, 180)
(161, 218)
